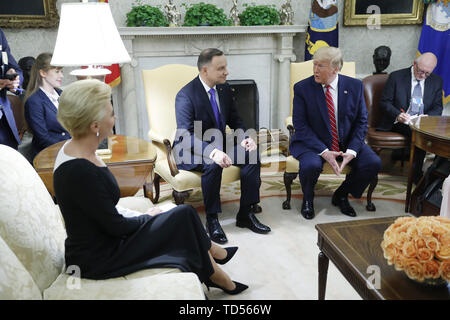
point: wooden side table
(354, 248)
(131, 163)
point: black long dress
(104, 244)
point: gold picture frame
(49, 18)
(397, 12)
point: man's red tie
(331, 115)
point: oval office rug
(283, 263)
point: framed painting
(386, 12)
(28, 14)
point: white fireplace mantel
(261, 53)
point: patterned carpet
(389, 188)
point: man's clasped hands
(331, 158)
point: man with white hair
(412, 91)
(330, 121)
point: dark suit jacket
(192, 104)
(4, 101)
(397, 94)
(40, 114)
(311, 121)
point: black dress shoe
(251, 222)
(343, 204)
(307, 209)
(215, 231)
(230, 253)
(239, 287)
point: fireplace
(261, 53)
(247, 101)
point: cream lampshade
(88, 36)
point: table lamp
(88, 36)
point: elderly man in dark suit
(330, 121)
(8, 129)
(203, 108)
(412, 91)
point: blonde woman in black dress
(102, 242)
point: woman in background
(100, 240)
(41, 104)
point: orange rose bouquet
(419, 246)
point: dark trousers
(364, 168)
(420, 154)
(212, 179)
(6, 135)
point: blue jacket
(40, 114)
(4, 101)
(311, 121)
(192, 104)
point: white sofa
(32, 238)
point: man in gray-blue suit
(415, 90)
(8, 66)
(207, 102)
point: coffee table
(354, 248)
(131, 163)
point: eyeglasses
(421, 72)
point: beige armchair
(161, 86)
(300, 71)
(32, 235)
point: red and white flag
(113, 79)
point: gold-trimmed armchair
(161, 86)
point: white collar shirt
(207, 88)
(54, 97)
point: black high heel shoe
(230, 253)
(239, 287)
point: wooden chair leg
(180, 197)
(288, 178)
(370, 206)
(148, 189)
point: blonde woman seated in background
(102, 242)
(41, 104)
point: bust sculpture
(381, 59)
(26, 63)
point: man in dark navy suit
(203, 109)
(330, 121)
(9, 134)
(412, 91)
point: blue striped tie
(416, 97)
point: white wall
(357, 43)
